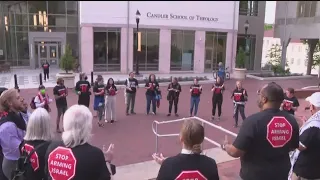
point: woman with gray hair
(69, 159)
(38, 136)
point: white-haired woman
(38, 136)
(74, 158)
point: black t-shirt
(154, 86)
(133, 84)
(196, 90)
(58, 90)
(239, 95)
(308, 162)
(45, 66)
(218, 89)
(111, 90)
(288, 103)
(83, 87)
(38, 158)
(262, 160)
(172, 167)
(98, 88)
(60, 163)
(174, 94)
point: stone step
(148, 170)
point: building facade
(177, 36)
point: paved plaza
(133, 137)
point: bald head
(273, 93)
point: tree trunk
(312, 43)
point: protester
(306, 159)
(239, 96)
(25, 113)
(98, 104)
(42, 100)
(152, 87)
(83, 90)
(110, 107)
(12, 130)
(190, 159)
(195, 91)
(46, 68)
(85, 161)
(60, 93)
(38, 136)
(262, 146)
(131, 89)
(290, 102)
(174, 90)
(217, 97)
(221, 71)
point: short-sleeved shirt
(133, 84)
(85, 168)
(196, 90)
(218, 89)
(111, 90)
(288, 103)
(262, 160)
(59, 90)
(153, 88)
(84, 87)
(239, 95)
(173, 94)
(308, 162)
(97, 88)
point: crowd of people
(270, 143)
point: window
(149, 55)
(248, 8)
(106, 48)
(306, 8)
(182, 50)
(215, 52)
(298, 62)
(241, 42)
(292, 61)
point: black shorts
(61, 110)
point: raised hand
(108, 152)
(158, 158)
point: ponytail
(196, 149)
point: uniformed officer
(266, 138)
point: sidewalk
(28, 79)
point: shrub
(240, 59)
(67, 62)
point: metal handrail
(203, 122)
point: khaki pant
(295, 177)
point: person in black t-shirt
(60, 93)
(152, 87)
(74, 158)
(217, 97)
(239, 96)
(130, 94)
(83, 90)
(46, 67)
(190, 163)
(98, 104)
(306, 159)
(265, 139)
(290, 102)
(37, 138)
(174, 90)
(195, 91)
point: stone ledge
(304, 93)
(277, 78)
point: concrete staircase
(149, 170)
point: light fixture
(138, 15)
(139, 41)
(40, 18)
(35, 22)
(45, 21)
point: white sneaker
(106, 121)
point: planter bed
(276, 75)
(164, 80)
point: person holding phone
(174, 90)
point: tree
(312, 44)
(241, 57)
(67, 62)
(268, 27)
(274, 56)
(316, 55)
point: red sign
(191, 175)
(62, 91)
(279, 131)
(83, 87)
(237, 96)
(217, 90)
(62, 164)
(34, 160)
(287, 105)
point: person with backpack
(83, 90)
(41, 100)
(12, 130)
(60, 93)
(36, 141)
(45, 67)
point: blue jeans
(151, 99)
(194, 103)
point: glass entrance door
(48, 52)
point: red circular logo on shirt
(34, 159)
(62, 164)
(196, 175)
(279, 131)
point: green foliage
(241, 57)
(268, 27)
(316, 55)
(274, 55)
(67, 62)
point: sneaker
(212, 118)
(106, 121)
(112, 121)
(169, 114)
(153, 113)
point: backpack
(32, 103)
(24, 170)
